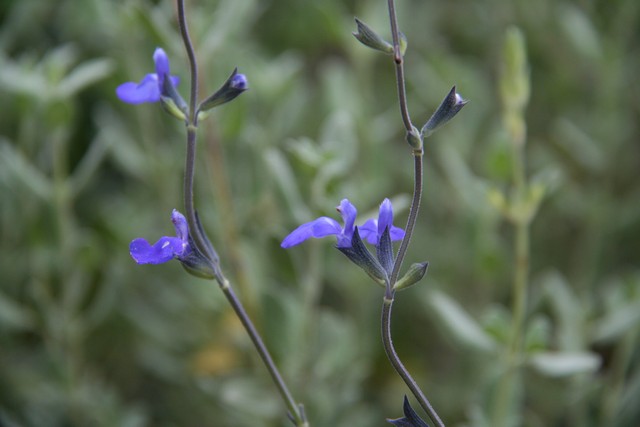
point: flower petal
(317, 228)
(145, 91)
(348, 213)
(161, 60)
(385, 216)
(180, 223)
(396, 233)
(369, 231)
(162, 251)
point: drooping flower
(181, 247)
(325, 226)
(150, 87)
(373, 229)
(165, 249)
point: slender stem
(413, 215)
(191, 136)
(294, 409)
(399, 367)
(189, 173)
(399, 61)
(296, 412)
(193, 65)
(411, 222)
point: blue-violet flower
(165, 249)
(150, 88)
(324, 226)
(372, 229)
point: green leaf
(565, 363)
(84, 75)
(462, 327)
(13, 166)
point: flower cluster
(379, 232)
(371, 230)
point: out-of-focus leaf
(15, 168)
(13, 315)
(580, 30)
(84, 75)
(579, 146)
(537, 334)
(460, 325)
(617, 322)
(563, 364)
(567, 311)
(287, 182)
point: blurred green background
(89, 338)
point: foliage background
(88, 338)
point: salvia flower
(325, 226)
(180, 247)
(150, 87)
(378, 232)
(165, 249)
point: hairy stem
(399, 367)
(413, 215)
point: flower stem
(387, 305)
(399, 367)
(413, 215)
(399, 61)
(193, 65)
(296, 412)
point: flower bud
(370, 38)
(234, 86)
(449, 107)
(415, 273)
(414, 138)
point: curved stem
(295, 411)
(413, 215)
(399, 367)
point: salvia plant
(369, 245)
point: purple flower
(325, 226)
(373, 229)
(165, 249)
(150, 88)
